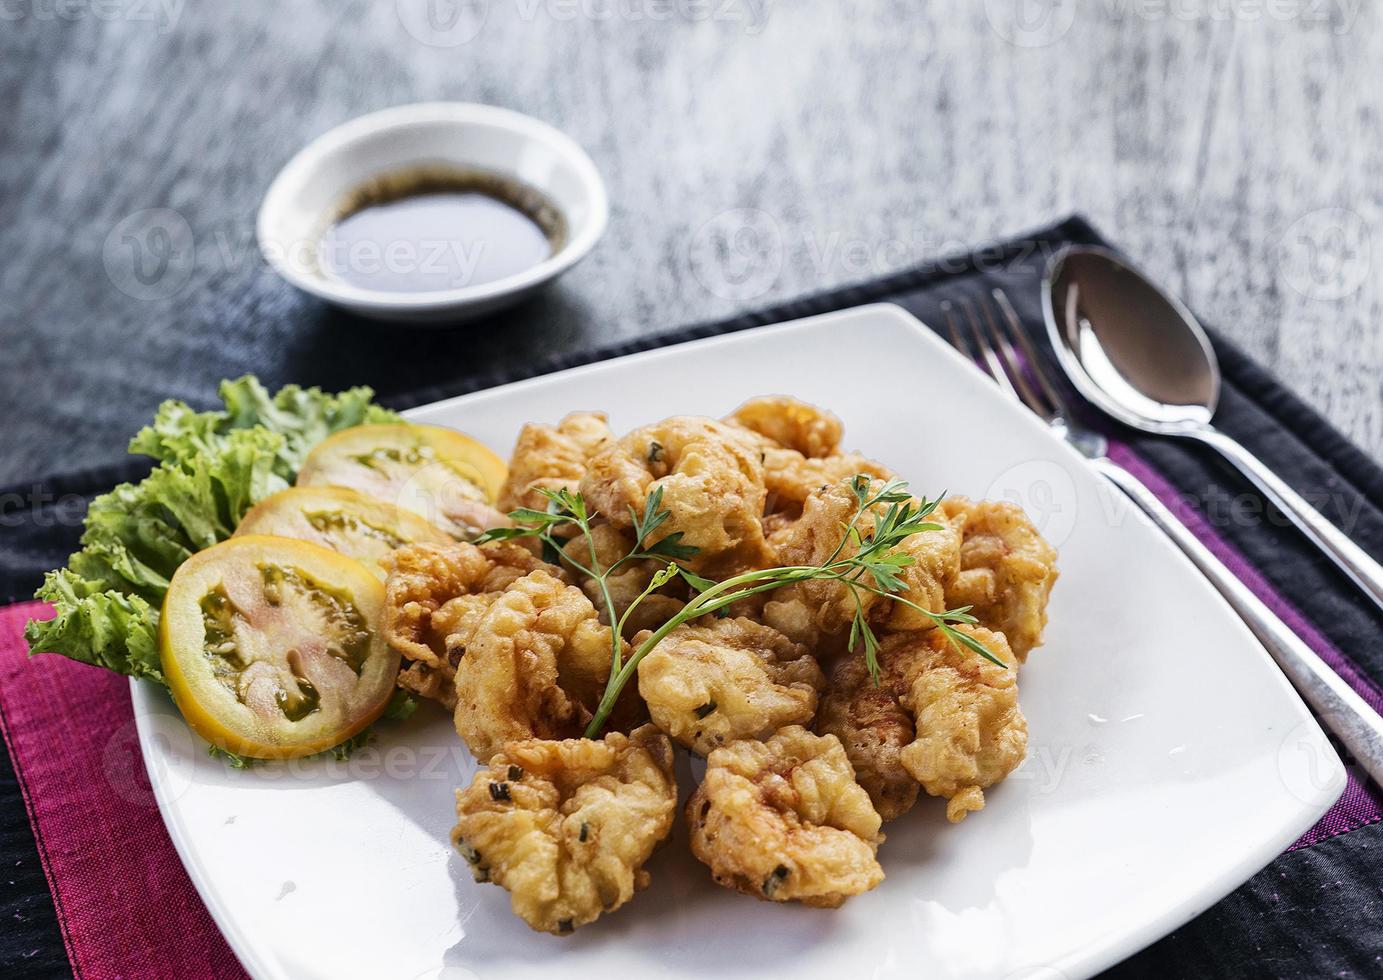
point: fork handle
(1340, 708)
(1352, 559)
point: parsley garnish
(876, 567)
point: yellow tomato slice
(343, 520)
(441, 474)
(273, 648)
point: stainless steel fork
(1004, 349)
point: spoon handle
(1352, 559)
(1358, 726)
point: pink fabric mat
(126, 906)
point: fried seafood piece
(626, 584)
(810, 431)
(874, 728)
(710, 685)
(453, 625)
(784, 820)
(808, 612)
(799, 446)
(566, 826)
(970, 731)
(435, 594)
(550, 457)
(790, 478)
(534, 667)
(935, 563)
(818, 612)
(942, 717)
(1006, 571)
(712, 483)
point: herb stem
(875, 568)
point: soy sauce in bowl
(435, 228)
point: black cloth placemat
(1315, 911)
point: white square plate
(1168, 758)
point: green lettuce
(104, 628)
(214, 466)
(302, 416)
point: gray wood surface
(1234, 148)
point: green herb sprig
(875, 566)
(567, 511)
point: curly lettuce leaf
(101, 627)
(302, 416)
(138, 534)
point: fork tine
(1013, 366)
(1016, 331)
(957, 341)
(987, 355)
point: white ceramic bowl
(304, 197)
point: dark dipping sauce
(432, 228)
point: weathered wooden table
(1233, 148)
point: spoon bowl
(1134, 351)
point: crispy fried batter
(942, 716)
(1006, 570)
(935, 562)
(791, 478)
(784, 820)
(552, 457)
(817, 613)
(712, 483)
(626, 584)
(970, 731)
(874, 728)
(435, 594)
(792, 424)
(710, 685)
(811, 612)
(534, 665)
(799, 445)
(567, 826)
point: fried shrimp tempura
(566, 826)
(552, 457)
(791, 478)
(809, 612)
(626, 584)
(970, 731)
(818, 612)
(534, 666)
(1006, 571)
(710, 685)
(942, 716)
(799, 445)
(935, 563)
(435, 595)
(874, 728)
(712, 483)
(784, 820)
(792, 424)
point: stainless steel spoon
(1140, 356)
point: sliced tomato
(344, 520)
(273, 648)
(441, 474)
